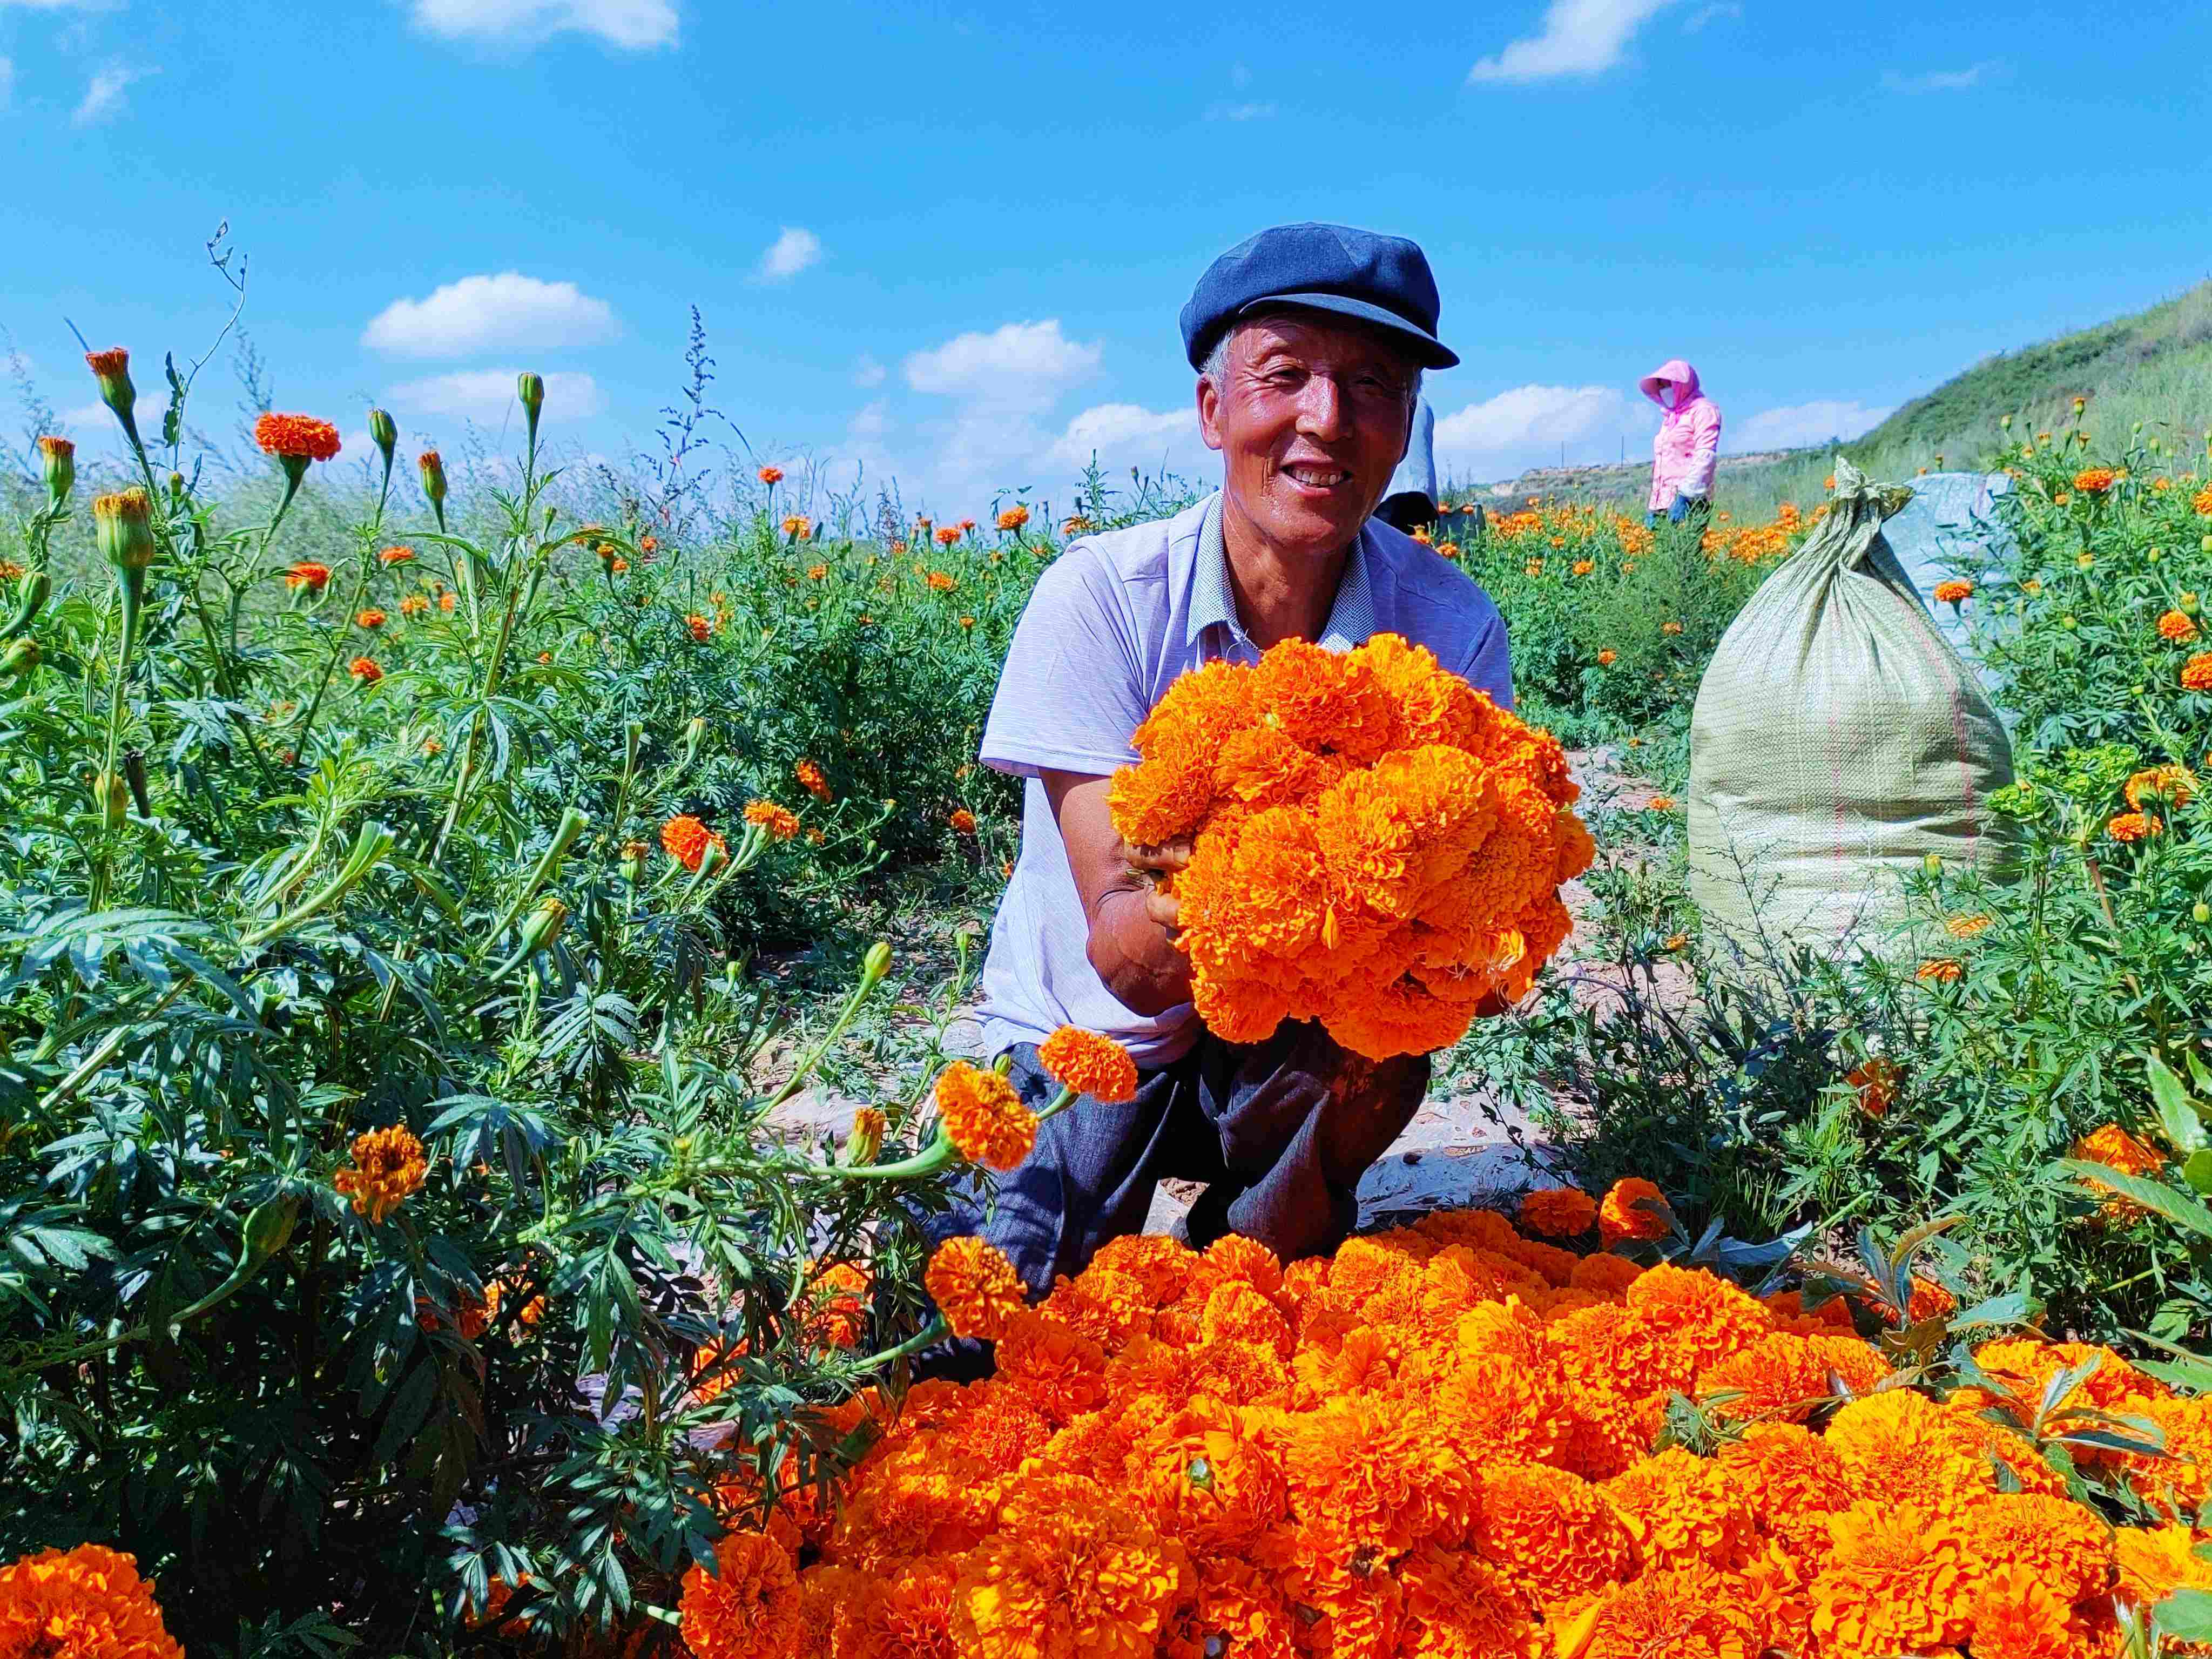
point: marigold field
(432, 880)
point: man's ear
(1209, 413)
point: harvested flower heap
(1440, 1443)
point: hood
(1682, 373)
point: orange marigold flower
(1670, 628)
(446, 603)
(388, 1164)
(812, 780)
(1605, 658)
(1660, 803)
(1940, 970)
(2176, 626)
(1633, 1209)
(1583, 567)
(2095, 481)
(984, 1117)
(2172, 783)
(961, 821)
(1551, 1532)
(365, 670)
(2154, 1562)
(2117, 1149)
(2132, 826)
(1896, 1581)
(781, 821)
(371, 618)
(414, 604)
(1969, 926)
(975, 1287)
(2197, 672)
(1088, 1064)
(1901, 1448)
(947, 536)
(392, 556)
(700, 628)
(1954, 593)
(1557, 1211)
(771, 475)
(85, 1603)
(1877, 1081)
(748, 1606)
(297, 436)
(815, 573)
(1013, 517)
(940, 582)
(799, 527)
(308, 575)
(686, 840)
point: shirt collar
(1352, 618)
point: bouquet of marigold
(1376, 844)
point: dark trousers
(1691, 509)
(1279, 1132)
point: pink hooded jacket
(1683, 451)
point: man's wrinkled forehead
(1315, 336)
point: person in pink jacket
(1685, 450)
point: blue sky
(948, 243)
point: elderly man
(1308, 341)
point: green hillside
(2154, 367)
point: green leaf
(2174, 1205)
(2014, 1307)
(2196, 1169)
(2187, 1614)
(2178, 1114)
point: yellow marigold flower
(388, 1164)
(1088, 1064)
(781, 821)
(84, 1603)
(984, 1116)
(975, 1287)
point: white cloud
(61, 5)
(789, 254)
(1122, 435)
(1705, 15)
(1025, 364)
(1527, 425)
(103, 96)
(1579, 38)
(871, 422)
(868, 372)
(7, 82)
(1240, 111)
(1939, 79)
(507, 312)
(1795, 425)
(633, 25)
(486, 395)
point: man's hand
(1158, 863)
(1132, 922)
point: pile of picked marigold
(1376, 845)
(1439, 1444)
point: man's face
(1311, 419)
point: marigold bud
(20, 657)
(123, 523)
(544, 925)
(866, 1142)
(1933, 864)
(875, 964)
(2201, 912)
(634, 856)
(58, 462)
(2004, 423)
(31, 596)
(694, 733)
(383, 432)
(111, 369)
(433, 475)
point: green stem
(104, 1051)
(936, 1331)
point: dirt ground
(1455, 1150)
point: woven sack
(1837, 741)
